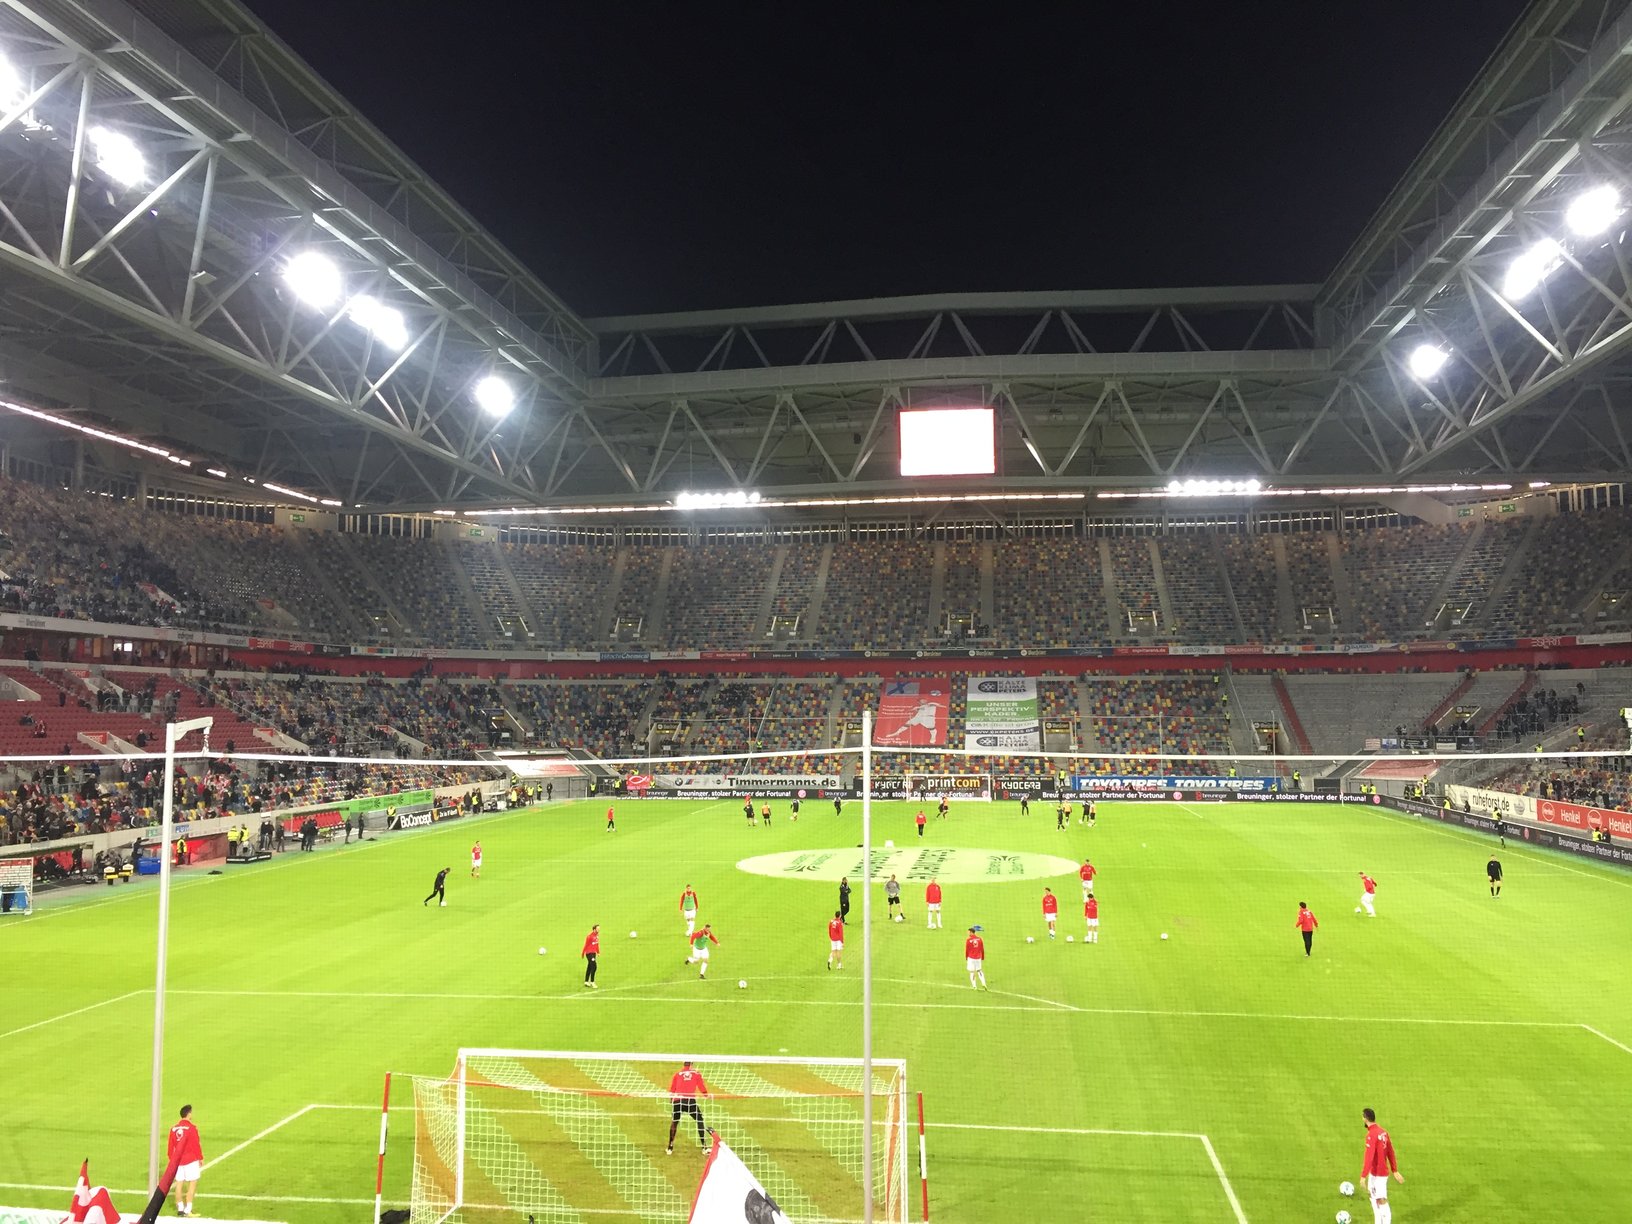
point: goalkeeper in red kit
(684, 1089)
(1376, 1166)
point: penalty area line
(1606, 1037)
(28, 1028)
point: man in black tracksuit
(844, 899)
(437, 892)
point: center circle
(920, 864)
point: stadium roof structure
(162, 163)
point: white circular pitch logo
(949, 865)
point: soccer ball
(1344, 1217)
(1164, 934)
(1029, 939)
(1357, 909)
(1346, 1189)
(632, 934)
(742, 983)
(1070, 939)
(541, 951)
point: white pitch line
(1607, 1038)
(1206, 1143)
(1427, 825)
(214, 1194)
(77, 1012)
(1052, 1006)
(1229, 1190)
(233, 1151)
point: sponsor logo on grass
(949, 865)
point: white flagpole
(867, 966)
(172, 733)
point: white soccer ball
(1344, 1217)
(1070, 939)
(632, 934)
(1164, 934)
(542, 951)
(1346, 1189)
(742, 984)
(1029, 939)
(1357, 909)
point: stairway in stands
(1294, 724)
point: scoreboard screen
(948, 442)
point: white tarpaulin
(730, 1194)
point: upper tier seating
(89, 557)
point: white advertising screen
(948, 442)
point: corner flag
(91, 1205)
(730, 1194)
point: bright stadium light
(715, 501)
(118, 157)
(1213, 488)
(13, 89)
(494, 396)
(314, 278)
(384, 323)
(1426, 360)
(1530, 268)
(1592, 212)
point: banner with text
(913, 714)
(913, 786)
(1582, 819)
(1501, 803)
(1111, 785)
(1002, 713)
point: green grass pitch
(1494, 1037)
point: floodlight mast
(172, 733)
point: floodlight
(12, 87)
(1530, 268)
(1213, 488)
(314, 278)
(384, 322)
(1592, 212)
(494, 396)
(1426, 360)
(118, 157)
(715, 501)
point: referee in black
(1493, 873)
(684, 1089)
(436, 889)
(844, 899)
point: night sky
(646, 158)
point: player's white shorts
(836, 944)
(973, 965)
(689, 915)
(189, 1172)
(699, 954)
(934, 907)
(1093, 923)
(476, 862)
(1368, 899)
(1087, 888)
(1049, 918)
(1377, 1187)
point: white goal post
(16, 886)
(562, 1136)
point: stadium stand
(715, 592)
(877, 596)
(1048, 593)
(1249, 562)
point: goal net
(551, 1136)
(16, 886)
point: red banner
(1583, 819)
(913, 714)
(325, 820)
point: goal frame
(897, 1162)
(17, 875)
